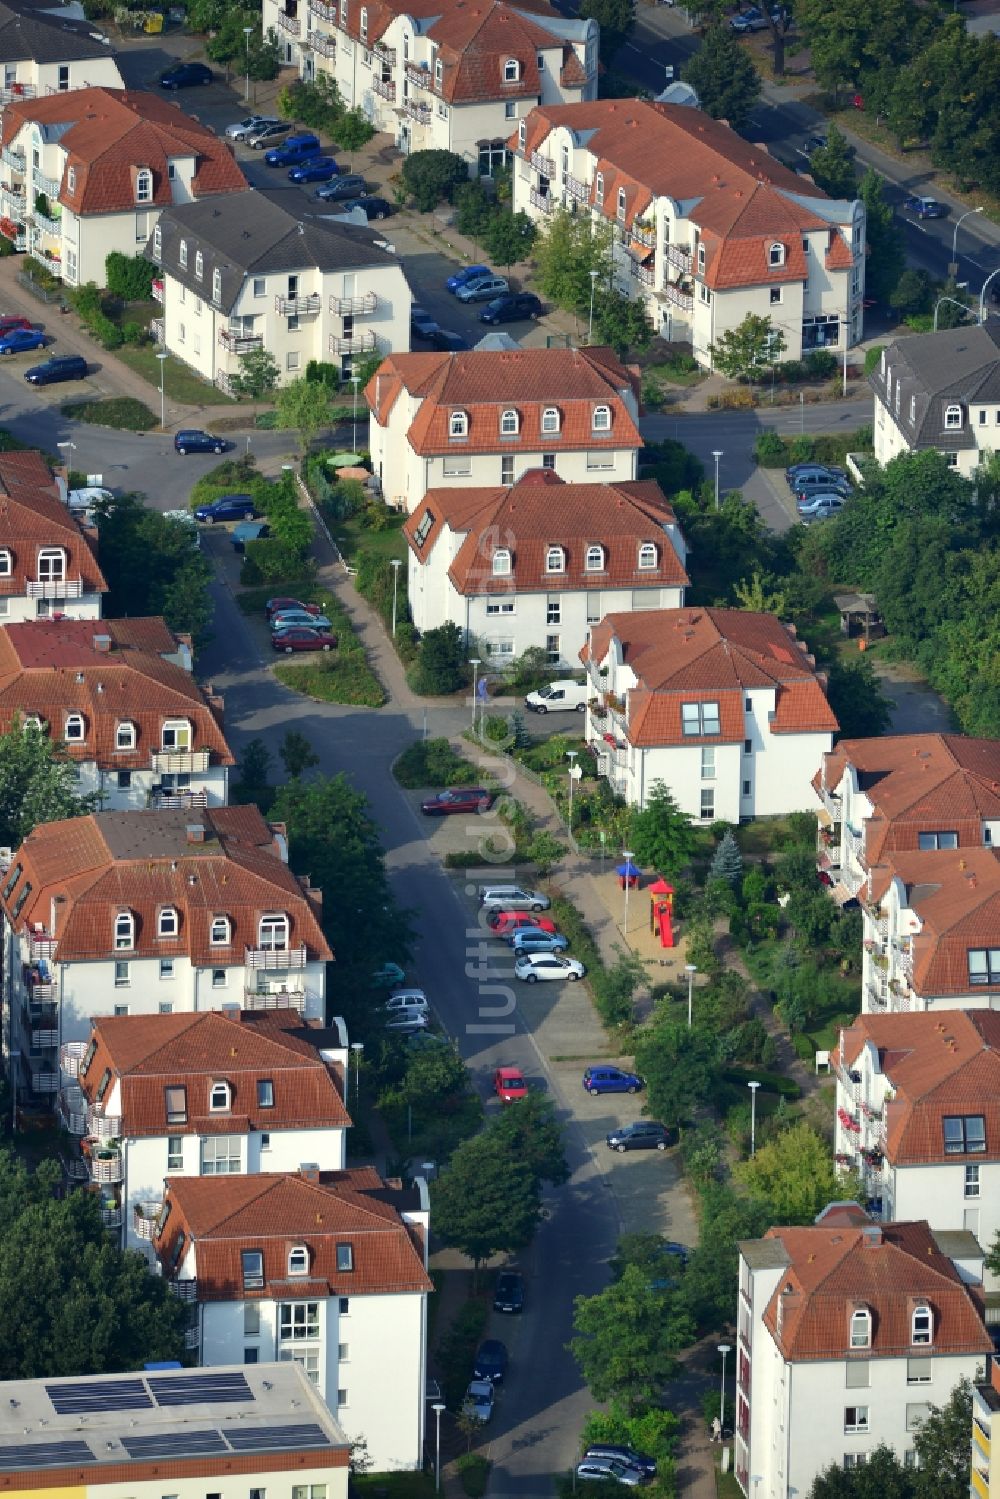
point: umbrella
(628, 870)
(344, 460)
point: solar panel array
(263, 1438)
(46, 1455)
(200, 1389)
(168, 1444)
(85, 1397)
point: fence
(47, 294)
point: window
(104, 1085)
(176, 1101)
(166, 969)
(555, 560)
(621, 205)
(704, 295)
(921, 1325)
(344, 1306)
(776, 292)
(181, 335)
(601, 421)
(345, 1257)
(913, 408)
(984, 965)
(952, 418)
(708, 762)
(22, 897)
(707, 803)
(937, 840)
(363, 24)
(75, 731)
(265, 1093)
(701, 259)
(858, 1374)
(501, 562)
(438, 72)
(599, 189)
(522, 134)
(221, 1155)
(164, 1006)
(553, 612)
(511, 70)
(125, 736)
(964, 1134)
(423, 529)
(292, 358)
(182, 254)
(748, 746)
(298, 1321)
(861, 1328)
(143, 185)
(510, 110)
(273, 933)
(951, 459)
(120, 1010)
(157, 232)
(6, 563)
(219, 1098)
(309, 1491)
(265, 1141)
(853, 1460)
(509, 424)
(647, 556)
(51, 565)
(341, 1399)
(199, 264)
(124, 931)
(594, 560)
(916, 1415)
(700, 718)
(458, 424)
(220, 932)
(168, 922)
(260, 286)
(343, 1353)
(776, 255)
(298, 1260)
(549, 461)
(550, 420)
(856, 1418)
(972, 1181)
(747, 788)
(176, 734)
(175, 1153)
(219, 978)
(88, 1055)
(216, 286)
(500, 606)
(253, 1274)
(507, 469)
(918, 1371)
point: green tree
(297, 754)
(37, 784)
(914, 292)
(661, 835)
(509, 238)
(711, 1278)
(305, 406)
(434, 1073)
(430, 176)
(795, 1176)
(943, 1448)
(255, 765)
(747, 348)
(626, 1340)
(152, 566)
(257, 375)
(832, 166)
(544, 851)
(484, 1203)
(442, 665)
(129, 276)
(652, 1431)
(567, 249)
(724, 77)
(621, 322)
(881, 1476)
(759, 595)
(679, 1066)
(855, 694)
(615, 18)
(531, 1134)
(885, 262)
(727, 861)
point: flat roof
(157, 1414)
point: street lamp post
(953, 268)
(475, 663)
(590, 326)
(357, 1047)
(354, 424)
(627, 857)
(982, 294)
(954, 302)
(571, 757)
(63, 445)
(717, 454)
(724, 1348)
(397, 563)
(162, 357)
(438, 1408)
(753, 1118)
(247, 32)
(690, 969)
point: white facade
(28, 78)
(199, 784)
(933, 401)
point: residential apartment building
(918, 1117)
(90, 171)
(451, 78)
(235, 1432)
(542, 561)
(940, 391)
(129, 714)
(437, 419)
(139, 913)
(725, 707)
(48, 556)
(324, 1269)
(985, 1474)
(706, 226)
(226, 1093)
(904, 793)
(848, 1332)
(240, 275)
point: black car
(374, 208)
(422, 325)
(627, 1455)
(509, 1294)
(448, 343)
(348, 186)
(186, 75)
(511, 308)
(60, 367)
(644, 1134)
(490, 1361)
(193, 440)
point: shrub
(429, 176)
(820, 364)
(441, 667)
(270, 560)
(133, 333)
(129, 277)
(120, 412)
(473, 1470)
(769, 450)
(432, 763)
(323, 374)
(341, 677)
(457, 1349)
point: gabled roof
(834, 1268)
(484, 382)
(710, 655)
(956, 895)
(150, 1053)
(540, 511)
(44, 38)
(939, 1065)
(53, 668)
(109, 134)
(204, 862)
(956, 366)
(222, 1216)
(32, 516)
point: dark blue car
(228, 507)
(19, 339)
(468, 273)
(295, 149)
(611, 1080)
(318, 169)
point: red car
(509, 1084)
(273, 606)
(301, 639)
(458, 799)
(506, 923)
(9, 321)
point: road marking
(631, 47)
(916, 224)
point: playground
(641, 907)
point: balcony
(71, 1054)
(12, 158)
(54, 588)
(111, 1217)
(645, 234)
(171, 800)
(240, 343)
(298, 306)
(192, 1338)
(156, 292)
(184, 1290)
(543, 164)
(275, 959)
(72, 1110)
(422, 77)
(179, 761)
(47, 185)
(156, 329)
(41, 947)
(416, 111)
(679, 258)
(830, 802)
(12, 203)
(45, 222)
(358, 343)
(106, 1165)
(352, 306)
(291, 25)
(877, 996)
(53, 262)
(641, 273)
(15, 92)
(682, 299)
(145, 1216)
(326, 12)
(387, 54)
(44, 1038)
(278, 999)
(16, 233)
(323, 45)
(542, 201)
(577, 189)
(385, 88)
(43, 1081)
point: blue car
(611, 1080)
(468, 273)
(533, 939)
(19, 339)
(227, 507)
(318, 169)
(301, 147)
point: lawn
(120, 412)
(352, 535)
(675, 372)
(180, 383)
(341, 677)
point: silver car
(512, 898)
(603, 1469)
(249, 126)
(272, 133)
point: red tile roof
(711, 655)
(221, 1216)
(835, 1268)
(108, 134)
(539, 511)
(52, 668)
(956, 895)
(93, 867)
(150, 1053)
(33, 516)
(484, 382)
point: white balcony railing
(385, 88)
(542, 201)
(577, 189)
(156, 291)
(387, 54)
(353, 306)
(15, 92)
(47, 185)
(326, 10)
(145, 1216)
(641, 273)
(280, 999)
(417, 111)
(40, 946)
(184, 1290)
(192, 1338)
(421, 77)
(72, 1109)
(71, 1054)
(13, 204)
(179, 762)
(106, 1166)
(44, 1038)
(45, 222)
(645, 234)
(44, 1081)
(323, 45)
(240, 343)
(298, 306)
(12, 158)
(275, 959)
(679, 258)
(543, 164)
(111, 1217)
(682, 299)
(54, 588)
(359, 343)
(157, 330)
(164, 801)
(289, 24)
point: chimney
(102, 643)
(309, 1172)
(871, 1236)
(195, 832)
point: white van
(559, 697)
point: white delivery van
(559, 697)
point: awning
(840, 893)
(823, 818)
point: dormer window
(32, 721)
(701, 260)
(509, 424)
(168, 922)
(176, 1105)
(219, 1098)
(51, 565)
(438, 72)
(647, 556)
(199, 264)
(343, 12)
(298, 1255)
(599, 189)
(501, 563)
(522, 134)
(861, 1327)
(220, 932)
(272, 933)
(458, 424)
(71, 179)
(125, 735)
(157, 241)
(511, 70)
(88, 1057)
(103, 1085)
(76, 730)
(922, 1326)
(952, 418)
(143, 185)
(345, 1257)
(602, 419)
(364, 23)
(594, 562)
(555, 560)
(621, 205)
(182, 254)
(176, 734)
(883, 361)
(776, 254)
(6, 562)
(265, 1093)
(253, 1269)
(216, 286)
(124, 931)
(550, 421)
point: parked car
(926, 208)
(509, 1293)
(349, 186)
(11, 321)
(277, 605)
(407, 1022)
(815, 479)
(482, 289)
(794, 469)
(533, 939)
(422, 325)
(819, 506)
(530, 967)
(186, 75)
(299, 147)
(447, 342)
(603, 1470)
(387, 977)
(457, 799)
(512, 898)
(612, 1080)
(192, 440)
(250, 126)
(249, 530)
(558, 697)
(19, 340)
(749, 20)
(621, 1454)
(303, 638)
(374, 208)
(643, 1134)
(511, 308)
(491, 1361)
(227, 507)
(509, 1084)
(295, 619)
(93, 494)
(407, 999)
(478, 1402)
(271, 133)
(60, 367)
(506, 923)
(465, 275)
(315, 169)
